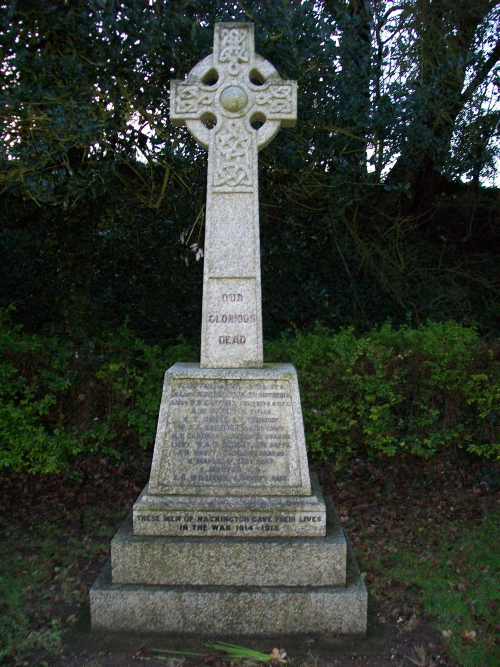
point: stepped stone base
(232, 535)
(275, 596)
(217, 561)
(223, 610)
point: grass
(456, 580)
(427, 532)
(40, 585)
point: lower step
(227, 610)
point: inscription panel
(229, 435)
(231, 333)
(229, 524)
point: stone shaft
(231, 334)
(220, 99)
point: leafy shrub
(35, 379)
(389, 390)
(59, 399)
(412, 389)
(133, 375)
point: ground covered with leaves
(426, 534)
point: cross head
(233, 102)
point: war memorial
(232, 535)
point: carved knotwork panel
(234, 49)
(277, 100)
(233, 157)
(192, 100)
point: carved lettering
(232, 340)
(232, 319)
(206, 523)
(232, 297)
(229, 432)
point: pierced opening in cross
(211, 77)
(257, 120)
(256, 78)
(209, 120)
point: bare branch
(481, 74)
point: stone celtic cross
(220, 99)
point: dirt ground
(383, 498)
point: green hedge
(392, 389)
(59, 398)
(408, 389)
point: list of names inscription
(227, 433)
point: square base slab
(225, 610)
(217, 561)
(326, 648)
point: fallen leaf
(469, 636)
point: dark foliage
(364, 215)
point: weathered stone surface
(230, 456)
(226, 610)
(231, 516)
(230, 432)
(216, 561)
(233, 87)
